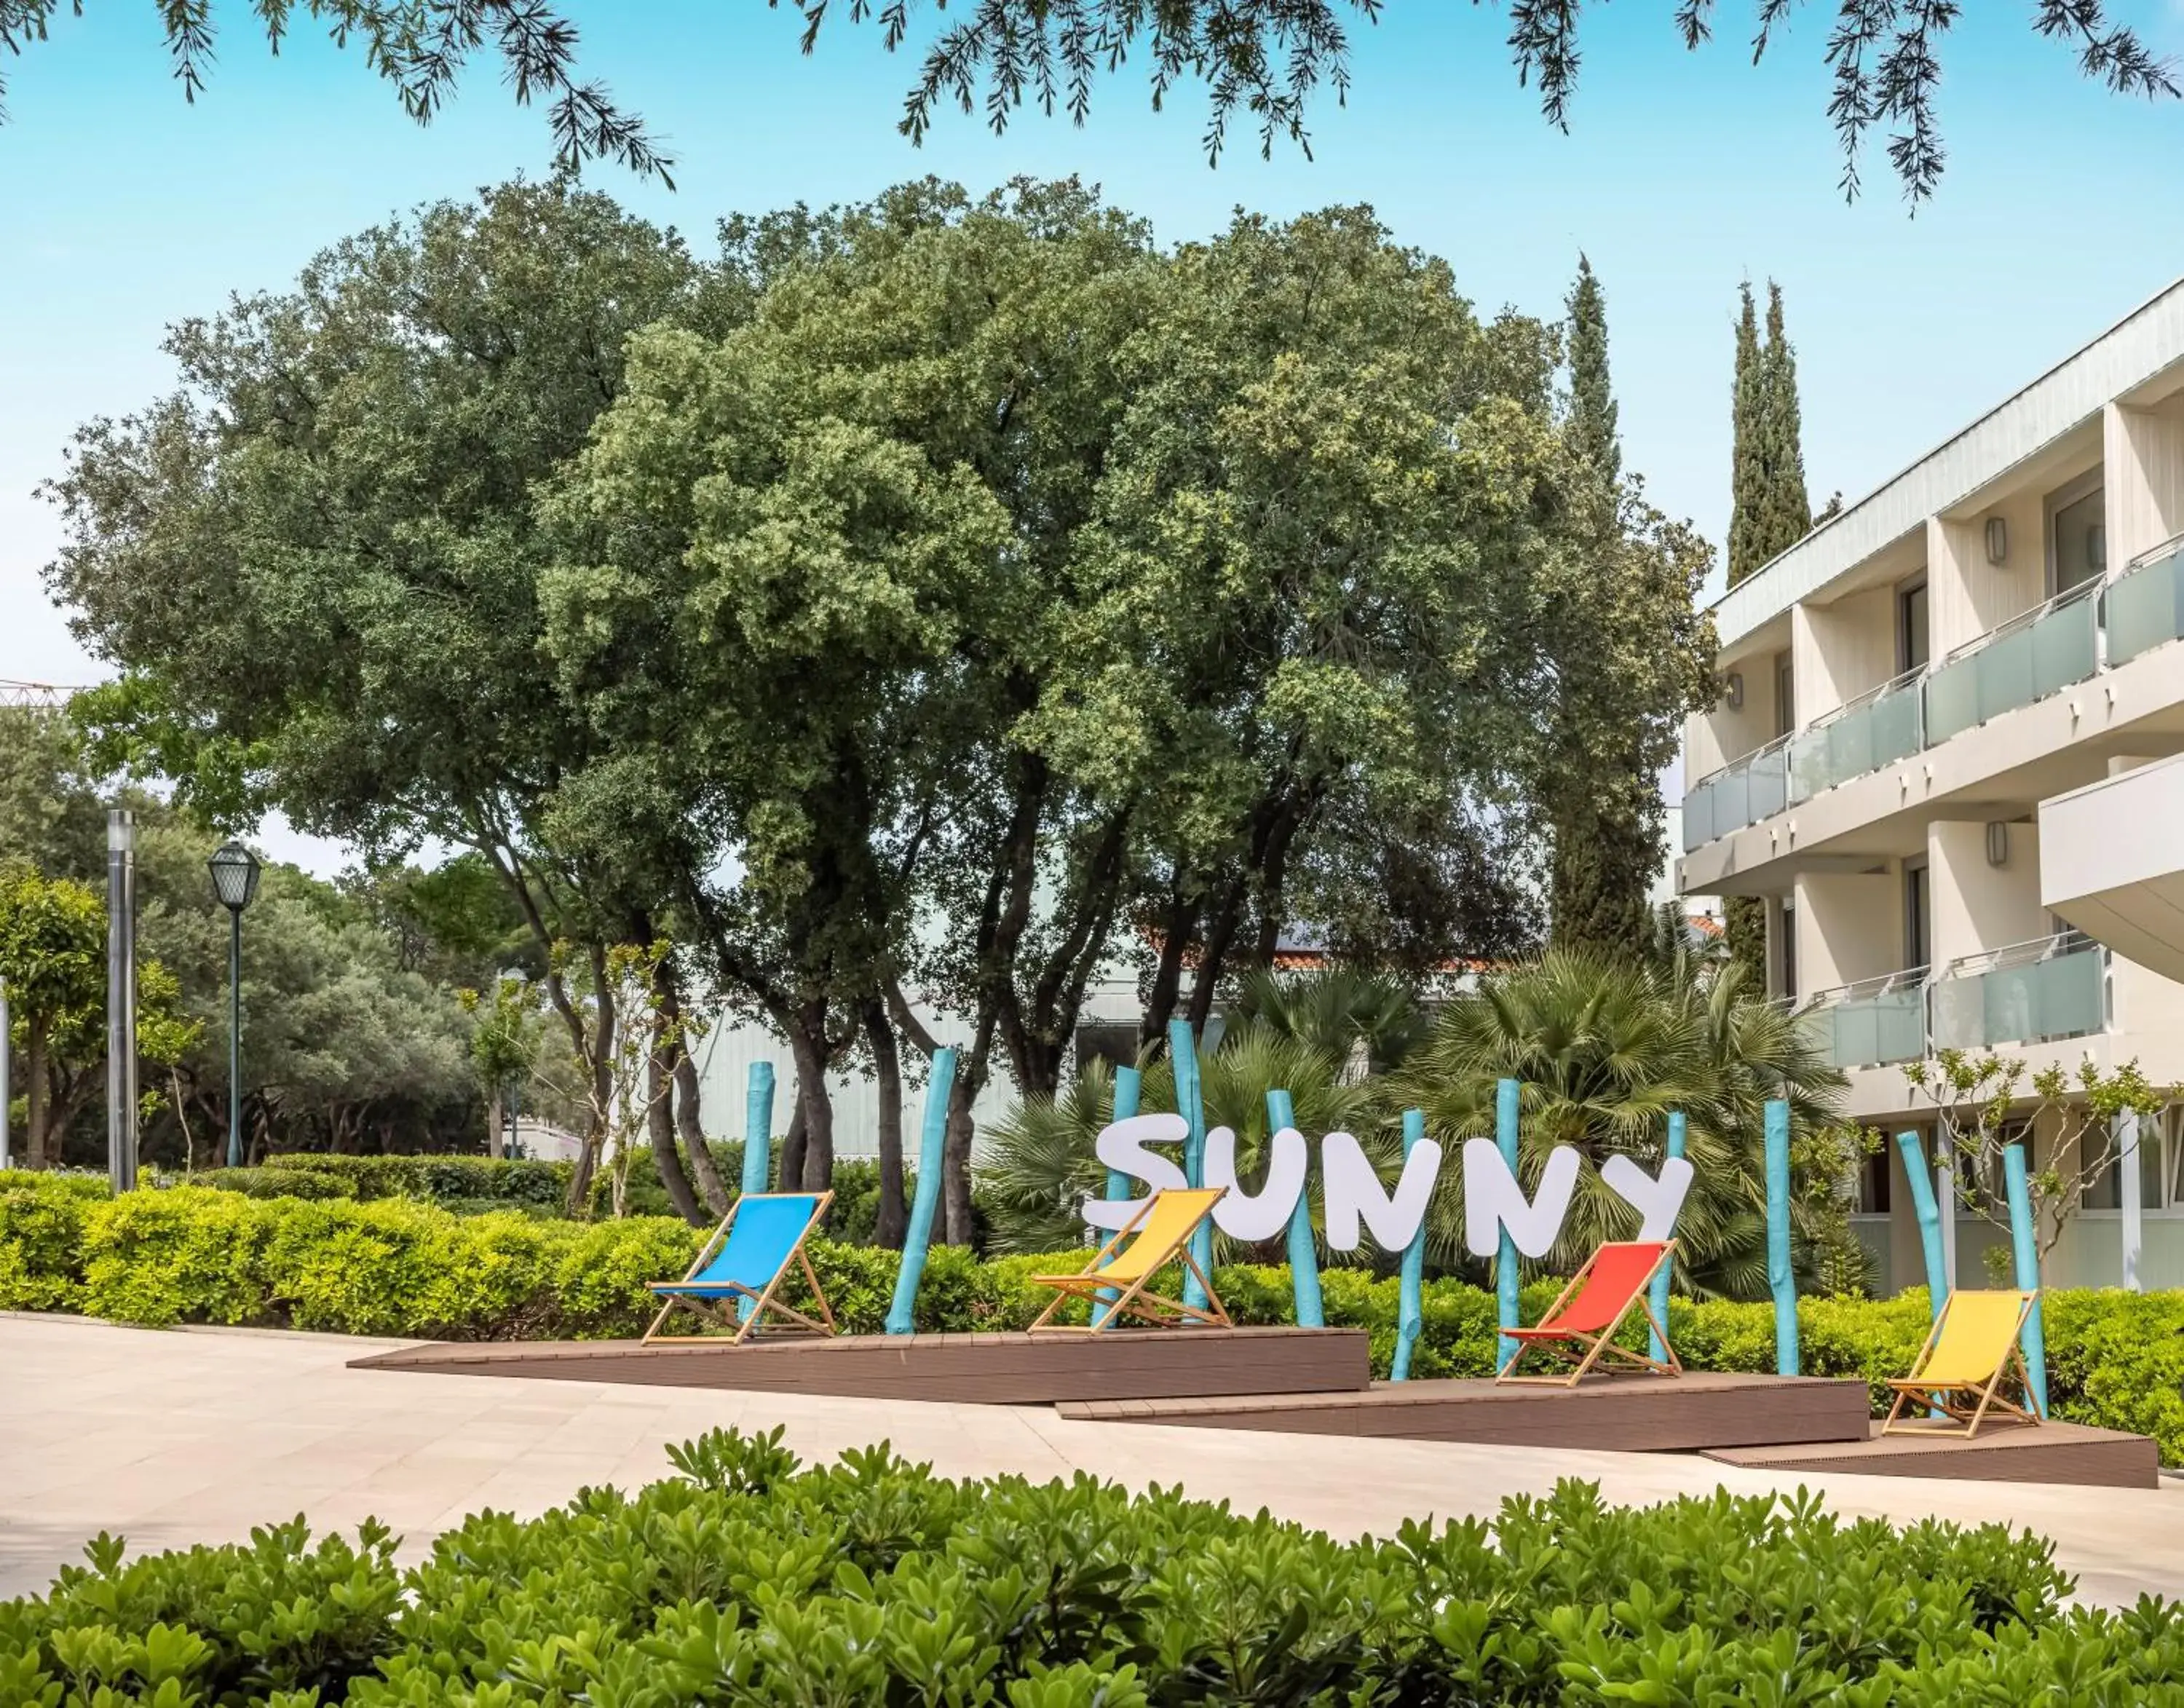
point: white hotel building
(1951, 761)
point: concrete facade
(1940, 761)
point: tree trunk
(703, 1168)
(789, 1175)
(34, 1095)
(495, 1139)
(894, 1216)
(600, 1060)
(955, 1165)
(660, 1125)
(807, 1042)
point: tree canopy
(929, 606)
(1266, 60)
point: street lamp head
(234, 871)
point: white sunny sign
(1356, 1200)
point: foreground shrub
(748, 1580)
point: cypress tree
(1770, 510)
(1605, 818)
(1592, 414)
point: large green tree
(317, 564)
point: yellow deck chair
(1973, 1347)
(1158, 1234)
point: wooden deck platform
(1620, 1413)
(2052, 1453)
(983, 1369)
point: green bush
(747, 1579)
(542, 1184)
(270, 1182)
(389, 1266)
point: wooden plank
(1012, 1369)
(2070, 1453)
(1624, 1414)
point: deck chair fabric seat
(739, 1271)
(1580, 1327)
(1973, 1349)
(1119, 1275)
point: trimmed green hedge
(394, 1267)
(749, 1581)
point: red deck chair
(1580, 1325)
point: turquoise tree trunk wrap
(1930, 1218)
(1129, 1084)
(1506, 1278)
(1410, 1315)
(758, 1146)
(932, 1144)
(1675, 1148)
(758, 1130)
(1183, 1053)
(1304, 1252)
(2024, 1246)
(1782, 1275)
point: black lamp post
(234, 871)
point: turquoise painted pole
(2026, 1250)
(1660, 1301)
(1304, 1254)
(1190, 1105)
(1781, 1276)
(1129, 1085)
(1410, 1316)
(758, 1130)
(1506, 1279)
(758, 1145)
(1930, 1218)
(931, 1143)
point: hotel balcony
(2090, 659)
(2046, 991)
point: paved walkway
(194, 1435)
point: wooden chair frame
(1968, 1404)
(714, 1303)
(1622, 1360)
(1136, 1300)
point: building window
(1112, 1041)
(2104, 1191)
(2077, 539)
(1917, 916)
(1786, 696)
(1911, 644)
(1786, 929)
(1873, 1185)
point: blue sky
(122, 208)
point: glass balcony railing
(2029, 993)
(2046, 651)
(1872, 1022)
(2027, 659)
(2145, 604)
(1753, 788)
(1879, 727)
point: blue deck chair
(743, 1263)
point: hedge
(749, 1580)
(397, 1268)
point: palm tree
(1038, 1166)
(1605, 1050)
(1338, 1011)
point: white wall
(1850, 927)
(1841, 649)
(1977, 907)
(2144, 451)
